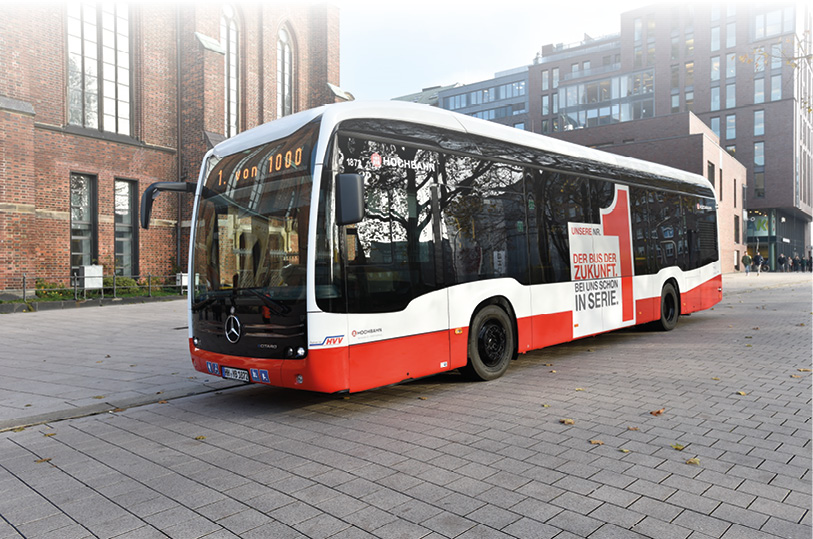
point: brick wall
(38, 151)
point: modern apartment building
(743, 68)
(503, 99)
(99, 100)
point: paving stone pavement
(433, 458)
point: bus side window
(643, 252)
(560, 199)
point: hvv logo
(330, 341)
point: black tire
(491, 344)
(670, 308)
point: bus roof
(332, 115)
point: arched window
(229, 41)
(285, 78)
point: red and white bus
(362, 244)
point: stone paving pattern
(435, 458)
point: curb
(36, 306)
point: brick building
(97, 101)
(742, 68)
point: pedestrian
(780, 261)
(758, 263)
(797, 263)
(746, 261)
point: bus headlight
(300, 352)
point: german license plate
(235, 374)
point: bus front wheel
(491, 344)
(670, 307)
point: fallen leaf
(805, 370)
(567, 421)
(749, 345)
(163, 402)
(99, 397)
(28, 405)
(658, 412)
(801, 325)
(40, 461)
(547, 364)
(158, 392)
(743, 393)
(596, 442)
(49, 434)
(200, 437)
(108, 355)
(679, 447)
(632, 428)
(554, 372)
(624, 450)
(546, 406)
(100, 361)
(748, 337)
(579, 389)
(18, 429)
(795, 375)
(117, 410)
(422, 398)
(695, 461)
(755, 329)
(716, 378)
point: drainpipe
(179, 158)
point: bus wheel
(670, 308)
(491, 344)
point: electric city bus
(359, 245)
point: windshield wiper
(277, 307)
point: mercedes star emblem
(233, 329)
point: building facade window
(688, 49)
(675, 102)
(715, 68)
(731, 127)
(730, 96)
(84, 232)
(731, 65)
(759, 90)
(715, 38)
(759, 154)
(731, 35)
(124, 201)
(545, 81)
(715, 126)
(689, 101)
(229, 40)
(285, 74)
(99, 66)
(715, 98)
(776, 87)
(688, 76)
(759, 123)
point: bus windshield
(251, 231)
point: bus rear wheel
(491, 344)
(670, 308)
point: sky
(395, 48)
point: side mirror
(349, 198)
(152, 191)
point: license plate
(236, 374)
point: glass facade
(606, 101)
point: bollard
(24, 287)
(149, 284)
(114, 283)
